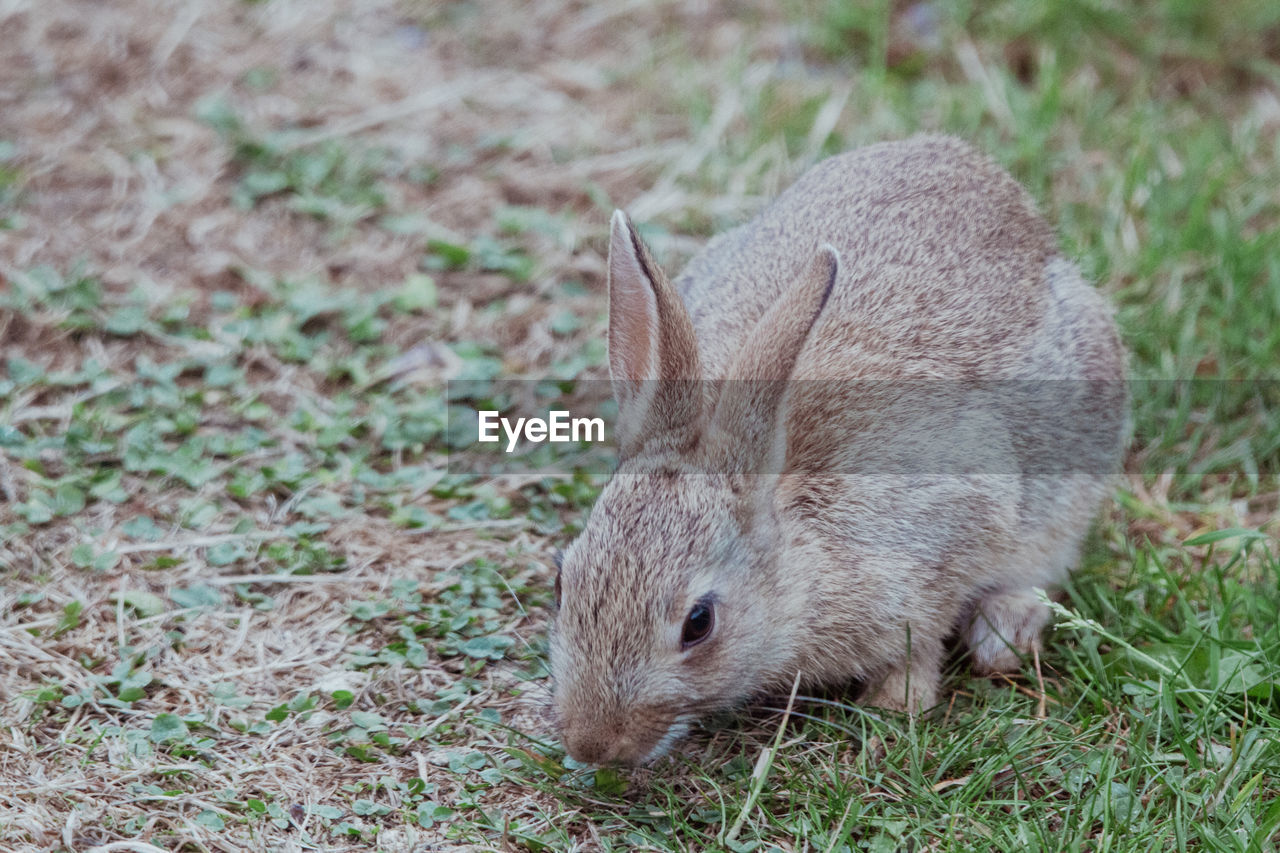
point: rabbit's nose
(587, 747)
(601, 747)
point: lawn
(247, 603)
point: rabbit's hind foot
(1004, 627)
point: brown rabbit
(880, 414)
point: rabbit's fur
(823, 521)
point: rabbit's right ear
(653, 353)
(746, 419)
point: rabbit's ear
(747, 416)
(653, 354)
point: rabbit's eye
(698, 624)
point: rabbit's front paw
(912, 688)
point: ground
(245, 603)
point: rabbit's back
(948, 275)
(943, 259)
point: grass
(245, 603)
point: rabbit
(806, 487)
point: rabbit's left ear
(747, 414)
(653, 353)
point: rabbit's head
(671, 603)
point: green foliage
(323, 179)
(484, 254)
